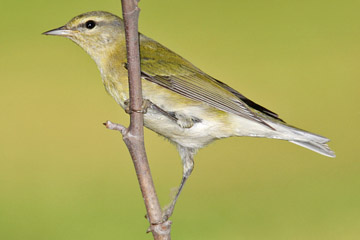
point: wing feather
(178, 75)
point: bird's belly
(196, 136)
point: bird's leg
(181, 120)
(187, 157)
(163, 112)
(146, 105)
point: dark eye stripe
(98, 24)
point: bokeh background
(64, 176)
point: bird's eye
(90, 24)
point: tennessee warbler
(188, 107)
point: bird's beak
(61, 31)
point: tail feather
(305, 139)
(321, 148)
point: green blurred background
(64, 176)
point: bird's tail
(305, 139)
(321, 148)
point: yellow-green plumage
(189, 107)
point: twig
(134, 135)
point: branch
(134, 135)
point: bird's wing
(167, 69)
(249, 102)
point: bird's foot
(144, 107)
(168, 211)
(166, 214)
(164, 224)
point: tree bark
(134, 135)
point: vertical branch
(134, 135)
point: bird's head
(96, 32)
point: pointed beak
(61, 31)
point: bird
(186, 105)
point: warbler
(187, 106)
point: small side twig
(134, 135)
(115, 126)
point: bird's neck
(111, 64)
